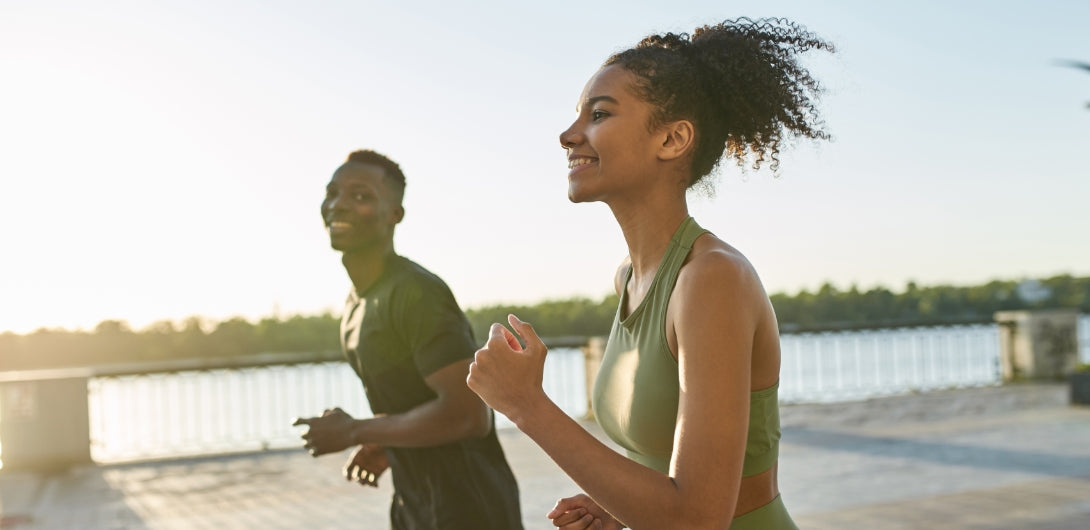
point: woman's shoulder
(714, 262)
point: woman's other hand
(579, 512)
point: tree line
(828, 307)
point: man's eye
(361, 196)
(598, 114)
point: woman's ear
(679, 139)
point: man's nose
(334, 202)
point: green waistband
(763, 439)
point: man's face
(360, 209)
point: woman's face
(610, 147)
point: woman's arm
(714, 329)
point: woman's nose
(570, 137)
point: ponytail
(740, 84)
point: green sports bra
(635, 395)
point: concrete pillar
(1041, 344)
(592, 360)
(44, 422)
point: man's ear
(678, 140)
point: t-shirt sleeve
(430, 322)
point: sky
(160, 160)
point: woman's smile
(577, 164)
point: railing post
(592, 360)
(45, 424)
(1040, 344)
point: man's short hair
(392, 171)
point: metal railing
(846, 365)
(1084, 338)
(200, 407)
(249, 408)
(224, 410)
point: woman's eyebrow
(595, 99)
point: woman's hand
(506, 375)
(366, 465)
(329, 433)
(579, 512)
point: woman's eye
(598, 114)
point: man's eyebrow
(348, 185)
(596, 99)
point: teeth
(578, 162)
(339, 224)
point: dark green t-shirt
(403, 328)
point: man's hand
(329, 433)
(366, 465)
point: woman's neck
(647, 227)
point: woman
(688, 384)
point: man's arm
(455, 414)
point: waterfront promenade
(1016, 456)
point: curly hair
(739, 82)
(393, 173)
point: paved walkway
(1007, 457)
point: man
(411, 346)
